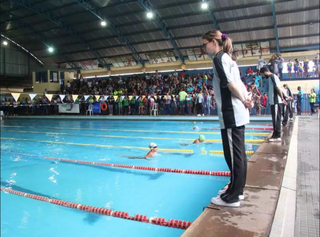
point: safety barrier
(104, 211)
(169, 170)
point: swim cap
(202, 138)
(195, 128)
(152, 145)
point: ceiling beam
(235, 42)
(44, 41)
(196, 36)
(55, 19)
(87, 5)
(215, 10)
(147, 5)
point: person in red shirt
(249, 71)
(264, 103)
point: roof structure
(73, 28)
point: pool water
(24, 144)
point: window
(54, 76)
(41, 77)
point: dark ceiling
(73, 27)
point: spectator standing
(281, 62)
(316, 62)
(312, 100)
(289, 68)
(276, 101)
(231, 100)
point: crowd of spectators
(174, 94)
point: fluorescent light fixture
(204, 5)
(103, 23)
(149, 15)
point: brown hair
(217, 35)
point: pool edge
(141, 118)
(264, 195)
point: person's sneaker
(291, 119)
(199, 115)
(275, 139)
(219, 202)
(222, 191)
(202, 114)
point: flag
(15, 96)
(74, 97)
(62, 97)
(32, 96)
(49, 96)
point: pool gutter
(266, 196)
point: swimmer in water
(195, 128)
(153, 151)
(201, 139)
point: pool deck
(268, 179)
(263, 118)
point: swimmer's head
(152, 145)
(202, 138)
(195, 128)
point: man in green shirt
(312, 100)
(182, 100)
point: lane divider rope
(134, 137)
(104, 211)
(145, 131)
(221, 152)
(168, 170)
(97, 145)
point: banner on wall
(69, 108)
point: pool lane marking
(97, 145)
(146, 131)
(126, 147)
(159, 138)
(104, 211)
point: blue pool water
(167, 195)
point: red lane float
(198, 172)
(104, 211)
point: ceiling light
(149, 15)
(103, 23)
(5, 43)
(51, 49)
(204, 5)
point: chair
(90, 108)
(154, 109)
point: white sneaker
(219, 202)
(291, 119)
(202, 114)
(199, 115)
(275, 139)
(222, 191)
